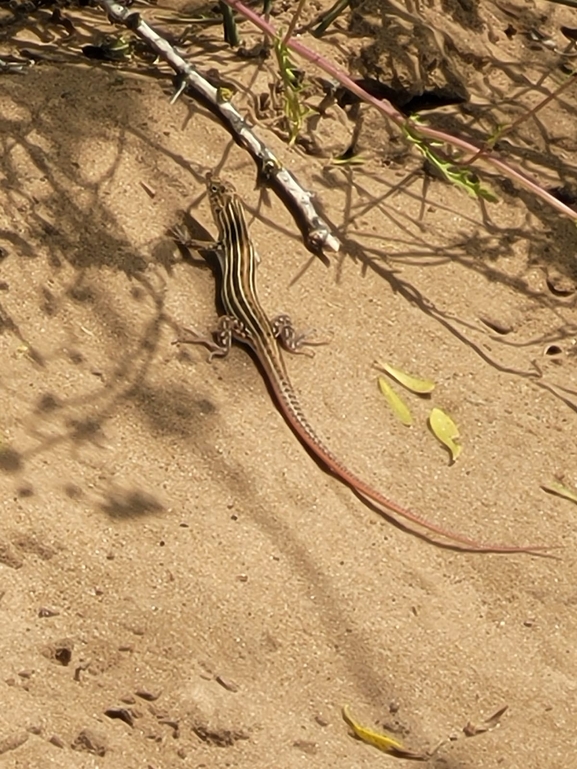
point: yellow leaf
(414, 384)
(446, 431)
(348, 160)
(380, 741)
(398, 405)
(561, 491)
(224, 94)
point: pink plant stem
(386, 108)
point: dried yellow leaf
(381, 741)
(415, 384)
(397, 404)
(446, 431)
(562, 491)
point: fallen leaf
(380, 741)
(397, 404)
(472, 730)
(446, 431)
(561, 491)
(415, 384)
(493, 720)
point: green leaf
(460, 176)
(347, 159)
(414, 384)
(295, 111)
(397, 404)
(445, 431)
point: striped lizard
(245, 321)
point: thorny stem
(316, 232)
(387, 109)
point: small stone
(158, 712)
(148, 695)
(37, 546)
(13, 741)
(25, 673)
(9, 557)
(91, 741)
(123, 714)
(55, 740)
(223, 738)
(84, 665)
(227, 683)
(210, 713)
(47, 611)
(60, 651)
(498, 325)
(174, 725)
(321, 720)
(308, 747)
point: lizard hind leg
(221, 341)
(293, 341)
(193, 337)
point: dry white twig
(316, 232)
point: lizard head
(219, 192)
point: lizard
(245, 321)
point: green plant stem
(330, 16)
(293, 22)
(230, 30)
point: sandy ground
(180, 583)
